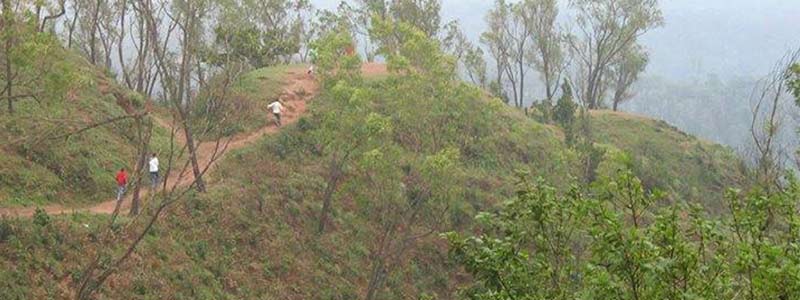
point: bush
(6, 231)
(40, 218)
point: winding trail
(299, 89)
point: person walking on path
(122, 183)
(277, 108)
(153, 171)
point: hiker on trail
(277, 108)
(154, 171)
(122, 183)
(311, 70)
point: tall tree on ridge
(546, 53)
(606, 28)
(625, 71)
(508, 40)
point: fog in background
(704, 61)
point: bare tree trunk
(201, 186)
(73, 24)
(121, 40)
(548, 81)
(376, 280)
(8, 26)
(334, 176)
(184, 93)
(93, 33)
(61, 12)
(141, 163)
(521, 83)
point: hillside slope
(41, 163)
(687, 168)
(255, 234)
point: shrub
(6, 231)
(40, 218)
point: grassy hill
(40, 164)
(254, 235)
(687, 168)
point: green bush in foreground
(608, 244)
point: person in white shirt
(277, 108)
(154, 171)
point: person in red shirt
(122, 183)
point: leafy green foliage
(334, 60)
(261, 33)
(548, 245)
(564, 113)
(536, 219)
(29, 73)
(428, 152)
(794, 82)
(423, 14)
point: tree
(794, 82)
(564, 113)
(116, 244)
(341, 76)
(495, 39)
(469, 57)
(606, 28)
(410, 51)
(424, 14)
(54, 13)
(410, 197)
(625, 71)
(794, 87)
(767, 123)
(94, 28)
(28, 73)
(526, 251)
(182, 80)
(360, 20)
(509, 39)
(546, 53)
(410, 201)
(199, 76)
(363, 131)
(262, 33)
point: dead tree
(771, 98)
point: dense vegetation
(372, 194)
(394, 180)
(611, 243)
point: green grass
(258, 89)
(249, 99)
(80, 170)
(686, 167)
(222, 246)
(41, 166)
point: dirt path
(299, 89)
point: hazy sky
(730, 38)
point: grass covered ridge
(254, 235)
(663, 157)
